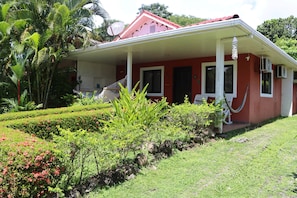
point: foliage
(133, 115)
(28, 170)
(191, 117)
(157, 9)
(277, 28)
(42, 33)
(77, 150)
(12, 105)
(54, 112)
(84, 147)
(64, 81)
(103, 36)
(184, 20)
(289, 45)
(263, 164)
(45, 128)
(87, 100)
(283, 32)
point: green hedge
(43, 127)
(30, 166)
(44, 112)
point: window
(154, 77)
(266, 85)
(209, 78)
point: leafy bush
(12, 105)
(133, 115)
(28, 170)
(193, 118)
(86, 100)
(79, 151)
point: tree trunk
(48, 88)
(19, 92)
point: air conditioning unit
(265, 64)
(281, 71)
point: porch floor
(234, 126)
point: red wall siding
(262, 108)
(256, 108)
(243, 80)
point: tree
(53, 28)
(157, 9)
(289, 45)
(101, 32)
(184, 20)
(283, 32)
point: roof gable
(147, 23)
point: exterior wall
(262, 108)
(95, 76)
(256, 109)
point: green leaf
(5, 28)
(20, 23)
(5, 8)
(42, 56)
(35, 38)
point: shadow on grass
(294, 175)
(234, 133)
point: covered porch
(198, 41)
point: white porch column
(219, 75)
(287, 94)
(129, 71)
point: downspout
(129, 71)
(219, 95)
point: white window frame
(203, 78)
(142, 69)
(266, 95)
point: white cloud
(253, 12)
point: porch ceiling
(184, 43)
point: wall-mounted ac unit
(281, 71)
(265, 64)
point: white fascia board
(268, 43)
(188, 31)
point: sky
(253, 12)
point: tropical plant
(22, 104)
(50, 29)
(133, 115)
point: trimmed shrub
(45, 127)
(28, 169)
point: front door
(182, 84)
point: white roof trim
(196, 29)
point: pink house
(197, 59)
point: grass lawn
(257, 163)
